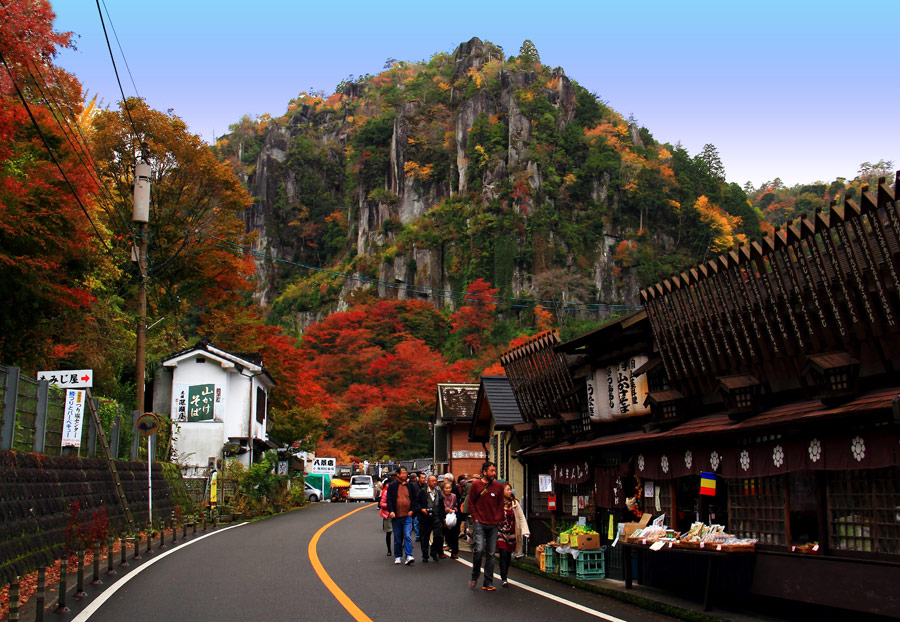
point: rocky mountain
(429, 175)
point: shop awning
(802, 413)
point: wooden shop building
(775, 366)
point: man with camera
(431, 519)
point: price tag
(793, 549)
(815, 548)
(718, 547)
(670, 545)
(644, 541)
(703, 545)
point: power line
(52, 155)
(118, 80)
(78, 147)
(121, 51)
(439, 293)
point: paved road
(262, 571)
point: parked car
(362, 488)
(313, 495)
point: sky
(803, 91)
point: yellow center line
(337, 592)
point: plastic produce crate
(549, 560)
(590, 565)
(566, 565)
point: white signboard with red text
(69, 378)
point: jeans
(402, 526)
(485, 546)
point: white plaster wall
(196, 442)
(238, 406)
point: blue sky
(799, 90)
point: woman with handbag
(451, 518)
(512, 529)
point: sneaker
(410, 560)
(397, 560)
(505, 584)
(488, 588)
(518, 555)
(424, 560)
(472, 583)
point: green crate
(590, 565)
(566, 565)
(551, 560)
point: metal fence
(32, 416)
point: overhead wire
(72, 136)
(62, 172)
(121, 51)
(118, 80)
(504, 301)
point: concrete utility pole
(141, 216)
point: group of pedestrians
(437, 511)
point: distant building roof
(455, 401)
(495, 399)
(251, 361)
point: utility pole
(141, 217)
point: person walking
(463, 500)
(416, 487)
(401, 507)
(451, 506)
(486, 511)
(431, 517)
(386, 526)
(511, 530)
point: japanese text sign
(73, 414)
(69, 378)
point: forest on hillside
(369, 243)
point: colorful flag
(708, 484)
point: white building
(217, 401)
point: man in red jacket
(486, 511)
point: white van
(362, 488)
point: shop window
(537, 500)
(756, 509)
(804, 505)
(569, 492)
(864, 510)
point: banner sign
(73, 414)
(197, 402)
(69, 378)
(613, 392)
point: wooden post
(63, 575)
(96, 578)
(10, 399)
(109, 556)
(79, 584)
(14, 600)
(41, 594)
(40, 417)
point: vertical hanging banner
(708, 484)
(73, 414)
(616, 392)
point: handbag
(450, 520)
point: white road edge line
(553, 597)
(106, 594)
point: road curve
(267, 570)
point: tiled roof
(456, 401)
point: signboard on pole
(73, 415)
(147, 424)
(69, 378)
(324, 466)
